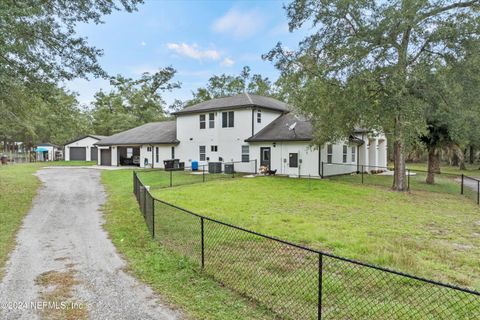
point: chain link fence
(416, 179)
(297, 282)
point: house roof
(290, 127)
(164, 132)
(280, 130)
(95, 136)
(243, 100)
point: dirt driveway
(64, 265)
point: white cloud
(227, 62)
(239, 24)
(193, 51)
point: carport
(128, 155)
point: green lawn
(18, 187)
(472, 169)
(174, 277)
(431, 234)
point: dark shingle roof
(164, 132)
(279, 130)
(243, 100)
(95, 136)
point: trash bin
(3, 159)
(214, 167)
(229, 169)
(194, 165)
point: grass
(364, 222)
(471, 169)
(176, 278)
(18, 187)
(431, 234)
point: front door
(265, 156)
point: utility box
(229, 169)
(214, 167)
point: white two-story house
(242, 129)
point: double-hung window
(211, 120)
(329, 153)
(345, 153)
(156, 155)
(202, 153)
(354, 151)
(259, 116)
(213, 148)
(227, 119)
(202, 121)
(245, 153)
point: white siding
(87, 142)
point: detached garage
(82, 149)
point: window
(329, 153)
(156, 155)
(245, 153)
(202, 121)
(214, 148)
(354, 151)
(211, 120)
(173, 152)
(129, 152)
(293, 160)
(259, 116)
(149, 149)
(345, 154)
(227, 119)
(202, 153)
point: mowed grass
(18, 187)
(430, 234)
(176, 278)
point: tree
(229, 85)
(132, 102)
(375, 58)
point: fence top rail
(298, 246)
(471, 178)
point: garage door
(93, 154)
(105, 157)
(78, 153)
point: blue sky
(198, 38)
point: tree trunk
(433, 165)
(471, 155)
(399, 177)
(455, 161)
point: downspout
(320, 173)
(153, 151)
(253, 123)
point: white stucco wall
(87, 142)
(229, 141)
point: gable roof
(94, 136)
(164, 132)
(243, 100)
(279, 130)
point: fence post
(478, 191)
(203, 173)
(461, 188)
(322, 170)
(144, 201)
(256, 168)
(171, 176)
(362, 173)
(203, 242)
(153, 218)
(320, 284)
(408, 179)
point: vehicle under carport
(128, 155)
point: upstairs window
(259, 116)
(214, 148)
(345, 154)
(149, 149)
(202, 153)
(245, 153)
(211, 120)
(202, 121)
(227, 119)
(354, 152)
(329, 153)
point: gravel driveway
(64, 257)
